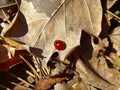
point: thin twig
(8, 5)
(21, 86)
(39, 65)
(5, 15)
(28, 72)
(37, 62)
(114, 16)
(22, 80)
(31, 67)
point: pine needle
(6, 16)
(28, 72)
(31, 67)
(43, 71)
(21, 86)
(22, 80)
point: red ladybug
(59, 45)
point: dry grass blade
(37, 63)
(46, 71)
(31, 67)
(111, 59)
(6, 16)
(113, 16)
(12, 4)
(21, 86)
(43, 71)
(22, 80)
(4, 87)
(29, 73)
(37, 60)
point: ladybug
(59, 45)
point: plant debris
(68, 44)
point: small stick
(113, 15)
(6, 17)
(38, 63)
(31, 67)
(8, 5)
(21, 86)
(22, 80)
(28, 72)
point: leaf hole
(96, 40)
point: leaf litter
(90, 61)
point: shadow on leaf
(19, 28)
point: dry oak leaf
(33, 22)
(92, 79)
(115, 60)
(66, 24)
(96, 63)
(109, 74)
(115, 38)
(46, 6)
(28, 24)
(62, 86)
(110, 3)
(46, 83)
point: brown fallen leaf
(76, 83)
(46, 83)
(91, 59)
(19, 88)
(28, 24)
(109, 74)
(41, 28)
(62, 86)
(3, 53)
(85, 69)
(67, 24)
(15, 44)
(110, 3)
(115, 38)
(82, 14)
(14, 48)
(90, 78)
(115, 60)
(8, 63)
(46, 6)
